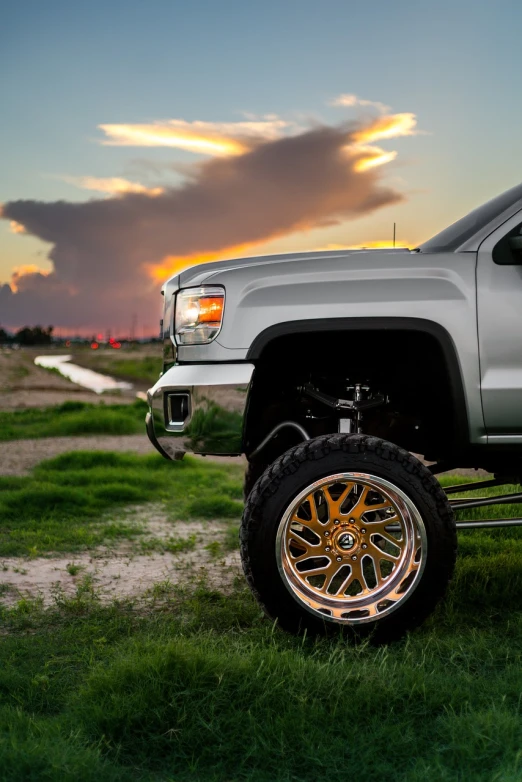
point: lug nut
(339, 559)
(336, 521)
(354, 558)
(326, 534)
(364, 545)
(352, 521)
(363, 532)
(327, 548)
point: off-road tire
(253, 472)
(328, 455)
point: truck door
(499, 312)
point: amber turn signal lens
(210, 309)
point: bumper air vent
(177, 409)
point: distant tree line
(36, 335)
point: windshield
(458, 233)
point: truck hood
(197, 275)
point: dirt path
(113, 576)
(123, 571)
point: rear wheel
(348, 531)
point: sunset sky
(139, 137)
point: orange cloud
(112, 185)
(208, 138)
(375, 244)
(388, 126)
(23, 271)
(372, 156)
(176, 264)
(385, 127)
(16, 228)
(380, 244)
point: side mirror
(508, 252)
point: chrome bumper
(199, 408)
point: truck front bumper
(199, 408)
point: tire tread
(291, 461)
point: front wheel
(348, 531)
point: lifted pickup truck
(329, 370)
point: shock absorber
(350, 411)
(354, 422)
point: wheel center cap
(346, 541)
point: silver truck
(329, 371)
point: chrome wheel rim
(351, 547)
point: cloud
(347, 99)
(375, 244)
(111, 185)
(370, 157)
(105, 251)
(207, 138)
(26, 270)
(386, 127)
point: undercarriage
(363, 411)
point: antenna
(394, 225)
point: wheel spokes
(380, 526)
(341, 550)
(331, 572)
(335, 505)
(376, 551)
(304, 533)
(360, 506)
(357, 575)
(333, 569)
(307, 515)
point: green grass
(73, 418)
(146, 368)
(210, 429)
(64, 504)
(56, 371)
(193, 684)
(173, 544)
(201, 687)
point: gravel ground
(115, 576)
(122, 571)
(18, 457)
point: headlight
(199, 314)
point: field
(137, 364)
(111, 671)
(73, 418)
(24, 385)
